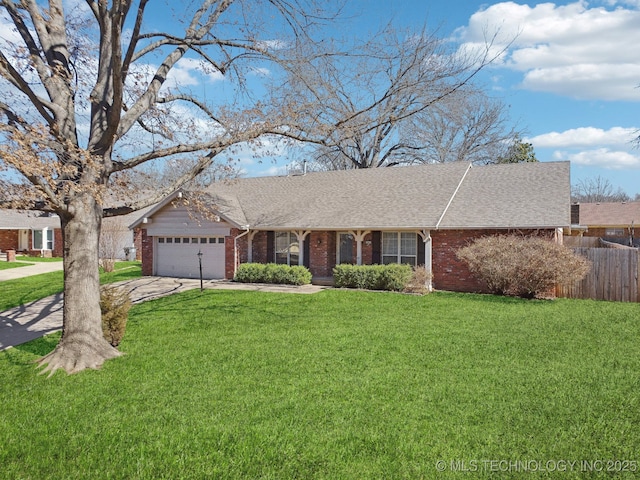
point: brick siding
(137, 242)
(8, 240)
(450, 273)
(147, 252)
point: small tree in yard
(112, 237)
(114, 306)
(523, 266)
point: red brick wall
(147, 252)
(259, 248)
(8, 240)
(137, 242)
(322, 253)
(57, 242)
(449, 273)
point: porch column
(359, 235)
(252, 234)
(301, 235)
(426, 238)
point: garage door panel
(181, 259)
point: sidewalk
(35, 269)
(33, 320)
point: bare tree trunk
(82, 344)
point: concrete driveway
(33, 320)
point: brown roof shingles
(534, 195)
(26, 220)
(610, 214)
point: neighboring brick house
(614, 221)
(419, 215)
(39, 234)
(32, 232)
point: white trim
(453, 196)
(358, 236)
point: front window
(399, 247)
(287, 248)
(43, 239)
(345, 248)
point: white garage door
(178, 257)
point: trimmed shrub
(419, 280)
(526, 267)
(273, 273)
(393, 277)
(114, 305)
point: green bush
(525, 267)
(114, 305)
(272, 273)
(392, 277)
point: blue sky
(571, 75)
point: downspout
(453, 196)
(235, 248)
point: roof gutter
(453, 196)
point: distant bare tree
(403, 98)
(597, 190)
(465, 126)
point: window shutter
(421, 260)
(306, 248)
(376, 246)
(271, 250)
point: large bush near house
(393, 277)
(526, 267)
(273, 273)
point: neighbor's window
(614, 232)
(43, 239)
(287, 248)
(399, 247)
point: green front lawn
(27, 258)
(337, 385)
(25, 290)
(8, 265)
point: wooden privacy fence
(613, 276)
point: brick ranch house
(420, 215)
(33, 232)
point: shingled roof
(27, 220)
(610, 214)
(452, 195)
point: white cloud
(603, 158)
(573, 49)
(189, 65)
(586, 137)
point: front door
(23, 240)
